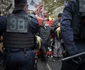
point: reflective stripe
(39, 41)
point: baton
(70, 57)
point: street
(51, 65)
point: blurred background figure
(45, 32)
(33, 14)
(57, 40)
(58, 20)
(5, 13)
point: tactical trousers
(20, 60)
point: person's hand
(1, 45)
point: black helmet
(60, 15)
(20, 2)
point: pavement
(50, 65)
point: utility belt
(15, 50)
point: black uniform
(73, 32)
(18, 31)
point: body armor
(18, 33)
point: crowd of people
(49, 32)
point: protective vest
(18, 33)
(78, 23)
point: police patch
(17, 24)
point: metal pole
(67, 58)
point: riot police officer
(18, 30)
(73, 31)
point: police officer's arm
(35, 26)
(66, 30)
(2, 30)
(2, 26)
